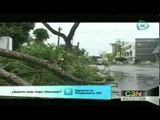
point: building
(128, 51)
(6, 42)
(145, 49)
(117, 48)
(142, 50)
(157, 53)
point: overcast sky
(96, 37)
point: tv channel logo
(141, 25)
(68, 91)
(133, 95)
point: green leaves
(77, 65)
(40, 50)
(41, 34)
(18, 31)
(86, 72)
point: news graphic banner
(102, 92)
(151, 95)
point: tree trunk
(67, 39)
(44, 64)
(13, 79)
(69, 45)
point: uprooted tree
(12, 78)
(37, 61)
(42, 58)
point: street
(134, 77)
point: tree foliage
(18, 31)
(117, 48)
(52, 65)
(41, 34)
(75, 64)
(41, 64)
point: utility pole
(119, 47)
(59, 30)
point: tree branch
(72, 31)
(44, 64)
(54, 31)
(12, 78)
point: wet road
(134, 77)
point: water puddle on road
(146, 82)
(134, 81)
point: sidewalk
(152, 65)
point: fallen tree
(46, 65)
(12, 78)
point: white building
(128, 51)
(6, 42)
(117, 48)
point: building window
(130, 53)
(139, 44)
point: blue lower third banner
(102, 92)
